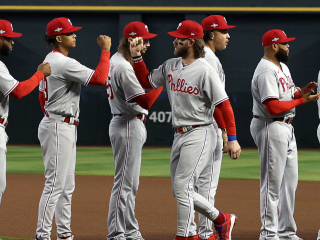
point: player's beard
(282, 55)
(182, 52)
(5, 50)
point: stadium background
(252, 18)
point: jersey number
(45, 89)
(109, 89)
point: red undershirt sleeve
(26, 87)
(219, 119)
(228, 117)
(100, 75)
(275, 107)
(148, 99)
(141, 72)
(297, 95)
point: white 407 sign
(160, 116)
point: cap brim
(149, 36)
(177, 35)
(229, 26)
(73, 29)
(13, 35)
(287, 40)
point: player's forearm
(141, 72)
(41, 100)
(219, 119)
(26, 87)
(275, 107)
(148, 99)
(100, 75)
(228, 117)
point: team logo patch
(2, 31)
(58, 29)
(146, 27)
(275, 39)
(214, 25)
(180, 24)
(132, 33)
(70, 21)
(192, 34)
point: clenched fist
(45, 69)
(104, 42)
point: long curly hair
(124, 49)
(198, 48)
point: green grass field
(155, 162)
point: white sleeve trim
(220, 101)
(11, 89)
(267, 97)
(89, 78)
(135, 95)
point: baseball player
(193, 87)
(216, 37)
(274, 100)
(59, 97)
(11, 87)
(129, 104)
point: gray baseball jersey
(278, 154)
(214, 61)
(193, 106)
(209, 177)
(62, 88)
(192, 90)
(58, 141)
(127, 135)
(270, 82)
(123, 87)
(7, 85)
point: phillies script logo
(284, 83)
(181, 86)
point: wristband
(232, 138)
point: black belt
(140, 116)
(288, 121)
(66, 119)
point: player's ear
(58, 38)
(129, 39)
(211, 35)
(274, 46)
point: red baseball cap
(6, 30)
(137, 29)
(215, 22)
(275, 36)
(188, 29)
(60, 25)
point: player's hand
(234, 149)
(307, 89)
(104, 42)
(45, 69)
(136, 45)
(225, 140)
(311, 98)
